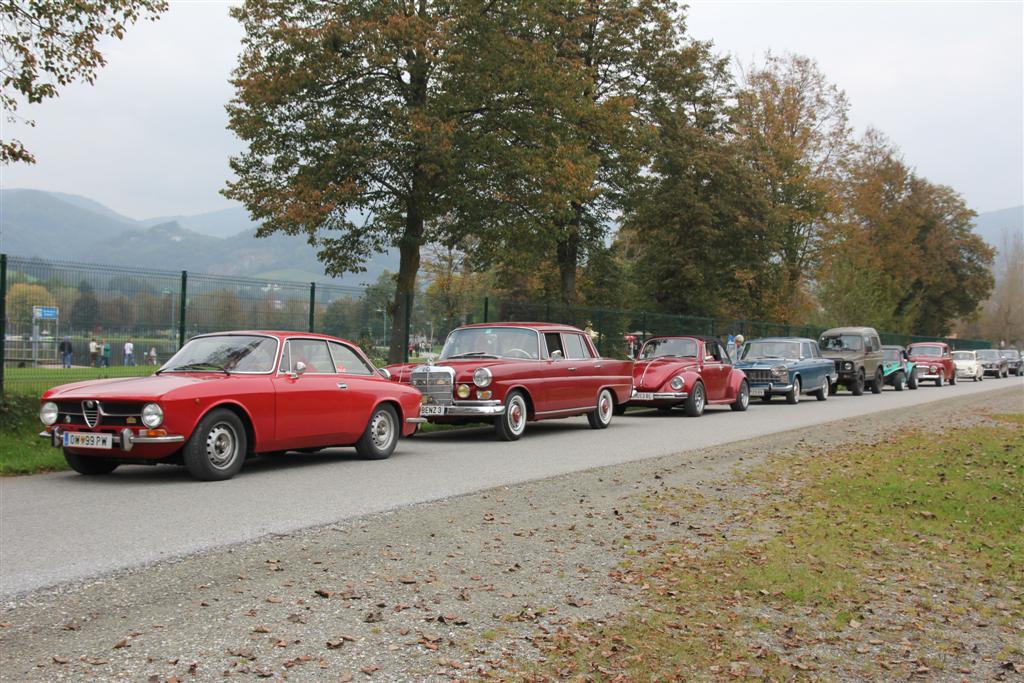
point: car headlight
(847, 365)
(48, 413)
(780, 371)
(935, 368)
(462, 391)
(152, 415)
(482, 377)
(676, 383)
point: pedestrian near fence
(106, 354)
(129, 353)
(66, 351)
(94, 353)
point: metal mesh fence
(65, 322)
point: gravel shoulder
(442, 590)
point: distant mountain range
(997, 226)
(69, 227)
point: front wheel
(89, 465)
(822, 393)
(952, 378)
(942, 378)
(876, 383)
(601, 416)
(694, 404)
(216, 449)
(899, 381)
(793, 395)
(742, 398)
(912, 380)
(857, 388)
(381, 434)
(511, 425)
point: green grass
(21, 450)
(34, 381)
(933, 509)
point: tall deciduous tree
(47, 44)
(372, 125)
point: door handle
(598, 366)
(571, 369)
(342, 385)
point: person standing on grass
(66, 350)
(94, 353)
(152, 355)
(106, 353)
(129, 353)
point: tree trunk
(568, 255)
(405, 290)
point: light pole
(384, 316)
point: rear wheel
(793, 395)
(511, 425)
(601, 416)
(857, 387)
(822, 393)
(952, 378)
(694, 405)
(742, 398)
(216, 449)
(381, 434)
(89, 465)
(899, 381)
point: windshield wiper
(474, 354)
(195, 367)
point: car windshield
(491, 342)
(1010, 355)
(988, 354)
(661, 348)
(930, 351)
(892, 354)
(224, 353)
(770, 349)
(963, 355)
(842, 342)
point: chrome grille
(91, 412)
(758, 374)
(839, 366)
(436, 383)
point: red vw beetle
(935, 362)
(224, 396)
(511, 373)
(690, 371)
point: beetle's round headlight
(152, 415)
(676, 383)
(48, 413)
(463, 391)
(482, 378)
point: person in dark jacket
(66, 351)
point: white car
(968, 366)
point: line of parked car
(226, 396)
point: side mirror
(385, 373)
(556, 355)
(300, 368)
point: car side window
(554, 343)
(312, 352)
(573, 345)
(709, 352)
(348, 361)
(806, 350)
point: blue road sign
(44, 312)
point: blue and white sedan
(786, 366)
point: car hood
(650, 375)
(765, 363)
(129, 388)
(403, 372)
(965, 362)
(832, 354)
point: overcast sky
(945, 82)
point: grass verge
(21, 450)
(898, 560)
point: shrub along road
(61, 527)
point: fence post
(312, 305)
(181, 309)
(486, 302)
(3, 319)
(408, 324)
(547, 311)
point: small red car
(934, 361)
(693, 372)
(512, 373)
(224, 396)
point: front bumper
(767, 389)
(492, 408)
(967, 372)
(993, 371)
(642, 396)
(124, 440)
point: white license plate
(644, 396)
(88, 440)
(757, 391)
(431, 410)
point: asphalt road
(56, 528)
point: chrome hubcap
(221, 445)
(796, 390)
(698, 398)
(744, 394)
(517, 415)
(604, 407)
(382, 430)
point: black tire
(216, 450)
(899, 381)
(601, 416)
(941, 379)
(89, 465)
(742, 401)
(833, 388)
(696, 401)
(619, 409)
(766, 397)
(793, 395)
(912, 380)
(826, 389)
(952, 378)
(876, 383)
(381, 434)
(857, 387)
(511, 425)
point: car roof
(932, 343)
(784, 339)
(541, 327)
(702, 337)
(848, 330)
(275, 333)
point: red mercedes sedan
(225, 396)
